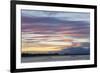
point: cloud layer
(54, 31)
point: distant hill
(74, 50)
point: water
(54, 58)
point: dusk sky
(47, 31)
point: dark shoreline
(36, 55)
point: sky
(48, 31)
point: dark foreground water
(54, 58)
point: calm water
(55, 58)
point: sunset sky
(47, 31)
